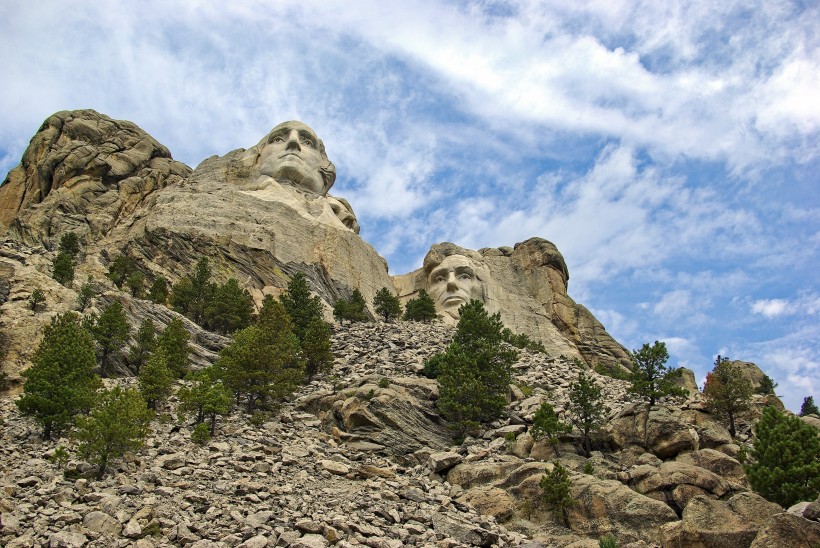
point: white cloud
(771, 307)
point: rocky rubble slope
(360, 457)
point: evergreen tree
(191, 295)
(420, 309)
(262, 365)
(60, 382)
(808, 407)
(158, 293)
(143, 345)
(353, 309)
(229, 308)
(651, 379)
(300, 305)
(586, 409)
(63, 269)
(785, 460)
(555, 491)
(547, 426)
(120, 268)
(174, 341)
(85, 295)
(316, 348)
(110, 331)
(206, 397)
(69, 244)
(37, 296)
(156, 379)
(117, 424)
(136, 283)
(386, 304)
(475, 370)
(727, 391)
(766, 386)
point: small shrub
(259, 418)
(37, 296)
(384, 382)
(555, 486)
(59, 457)
(608, 541)
(202, 433)
(526, 389)
(588, 468)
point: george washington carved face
(454, 282)
(295, 155)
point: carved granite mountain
(526, 284)
(121, 191)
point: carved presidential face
(295, 155)
(454, 283)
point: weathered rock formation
(527, 285)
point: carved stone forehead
(287, 127)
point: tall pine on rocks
(727, 392)
(651, 379)
(307, 322)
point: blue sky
(671, 150)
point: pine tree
(229, 308)
(158, 293)
(785, 460)
(110, 332)
(420, 309)
(136, 283)
(555, 491)
(353, 309)
(386, 304)
(727, 391)
(547, 426)
(143, 345)
(85, 295)
(206, 396)
(300, 305)
(63, 269)
(808, 407)
(262, 365)
(60, 382)
(117, 424)
(651, 379)
(174, 341)
(37, 296)
(316, 348)
(120, 268)
(586, 409)
(156, 379)
(766, 386)
(69, 244)
(475, 370)
(192, 293)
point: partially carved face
(294, 154)
(454, 283)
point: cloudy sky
(671, 150)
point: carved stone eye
(277, 140)
(440, 279)
(465, 277)
(307, 142)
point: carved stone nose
(293, 141)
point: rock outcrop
(527, 284)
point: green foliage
(63, 269)
(608, 541)
(206, 396)
(475, 370)
(59, 457)
(589, 469)
(651, 379)
(547, 426)
(69, 244)
(587, 411)
(353, 309)
(767, 386)
(612, 370)
(555, 491)
(785, 459)
(192, 292)
(120, 268)
(60, 382)
(316, 348)
(201, 434)
(85, 295)
(727, 391)
(136, 283)
(228, 307)
(143, 345)
(262, 364)
(174, 341)
(156, 379)
(300, 305)
(522, 340)
(432, 365)
(386, 304)
(110, 331)
(117, 424)
(158, 292)
(384, 382)
(809, 407)
(37, 296)
(420, 309)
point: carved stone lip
(294, 154)
(454, 299)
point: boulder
(660, 430)
(677, 482)
(716, 462)
(785, 529)
(490, 501)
